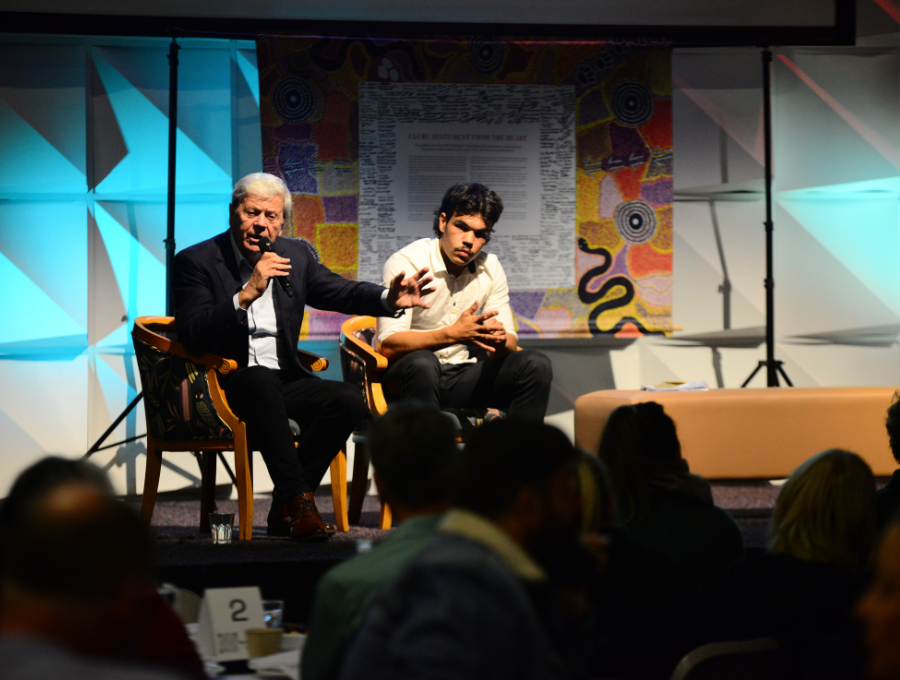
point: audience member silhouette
(879, 609)
(43, 476)
(659, 502)
(476, 603)
(649, 611)
(76, 595)
(414, 455)
(820, 539)
(887, 500)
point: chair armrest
(221, 364)
(374, 361)
(311, 361)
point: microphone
(265, 246)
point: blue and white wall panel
(83, 176)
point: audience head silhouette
(893, 428)
(76, 563)
(879, 609)
(826, 511)
(414, 453)
(43, 476)
(638, 441)
(523, 476)
(887, 500)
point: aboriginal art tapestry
(575, 137)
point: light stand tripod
(169, 240)
(773, 366)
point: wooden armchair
(362, 366)
(187, 410)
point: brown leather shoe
(279, 520)
(306, 523)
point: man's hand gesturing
(407, 292)
(269, 266)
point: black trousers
(519, 383)
(326, 410)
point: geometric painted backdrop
(83, 176)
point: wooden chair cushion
(176, 396)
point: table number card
(225, 614)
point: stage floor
(175, 529)
(289, 571)
(178, 541)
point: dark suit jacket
(206, 277)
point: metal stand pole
(173, 136)
(773, 366)
(170, 234)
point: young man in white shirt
(461, 351)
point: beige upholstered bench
(757, 433)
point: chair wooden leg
(245, 483)
(207, 488)
(385, 521)
(360, 481)
(151, 482)
(339, 490)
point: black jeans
(519, 383)
(327, 411)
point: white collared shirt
(483, 281)
(262, 323)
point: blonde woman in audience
(820, 540)
(825, 512)
(659, 502)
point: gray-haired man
(226, 303)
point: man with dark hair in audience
(414, 454)
(435, 351)
(477, 602)
(73, 584)
(887, 500)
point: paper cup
(263, 641)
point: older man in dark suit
(226, 303)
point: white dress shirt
(483, 281)
(261, 321)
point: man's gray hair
(265, 186)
